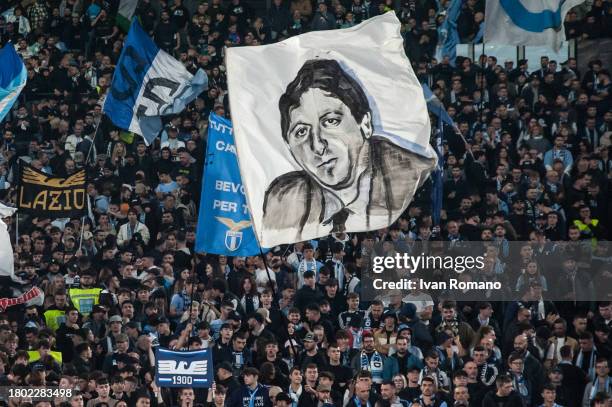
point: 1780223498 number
(35, 393)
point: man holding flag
(149, 83)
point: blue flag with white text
(13, 76)
(184, 368)
(224, 224)
(149, 83)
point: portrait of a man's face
(326, 123)
(326, 139)
(332, 131)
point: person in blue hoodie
(252, 393)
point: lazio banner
(224, 224)
(51, 197)
(184, 369)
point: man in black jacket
(504, 396)
(251, 393)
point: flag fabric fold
(126, 11)
(7, 266)
(13, 77)
(521, 22)
(147, 84)
(335, 147)
(449, 27)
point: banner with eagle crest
(224, 224)
(184, 368)
(47, 196)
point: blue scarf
(373, 364)
(595, 388)
(252, 394)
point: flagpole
(93, 139)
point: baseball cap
(323, 387)
(309, 337)
(115, 318)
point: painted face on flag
(326, 139)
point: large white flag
(6, 250)
(527, 22)
(331, 130)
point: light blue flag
(224, 224)
(449, 26)
(149, 83)
(13, 76)
(435, 106)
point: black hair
(327, 75)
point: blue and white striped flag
(521, 22)
(149, 83)
(13, 78)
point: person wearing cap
(122, 345)
(311, 353)
(259, 334)
(385, 338)
(115, 327)
(252, 393)
(97, 321)
(226, 378)
(324, 397)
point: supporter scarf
(521, 385)
(374, 364)
(607, 388)
(295, 396)
(238, 360)
(591, 366)
(488, 374)
(449, 325)
(359, 404)
(252, 394)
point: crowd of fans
(532, 164)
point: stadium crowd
(532, 165)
